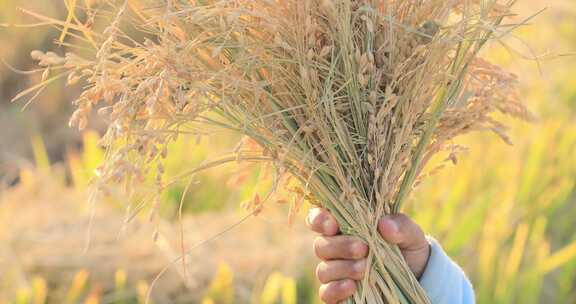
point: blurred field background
(505, 213)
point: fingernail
(328, 226)
(392, 224)
(360, 266)
(347, 284)
(358, 249)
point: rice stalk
(350, 97)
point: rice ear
(350, 97)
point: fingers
(321, 221)
(329, 271)
(343, 247)
(344, 258)
(402, 231)
(336, 291)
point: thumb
(402, 231)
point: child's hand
(344, 257)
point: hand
(344, 257)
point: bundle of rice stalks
(350, 97)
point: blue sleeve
(443, 280)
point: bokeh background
(507, 214)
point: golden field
(505, 213)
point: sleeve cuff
(443, 280)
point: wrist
(424, 258)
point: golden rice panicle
(351, 98)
